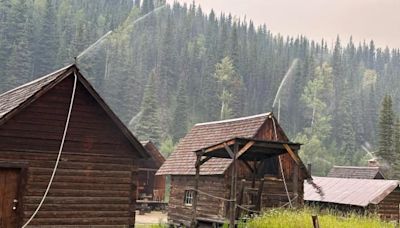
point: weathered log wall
(207, 207)
(94, 181)
(388, 208)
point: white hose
(59, 155)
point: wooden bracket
(245, 148)
(230, 152)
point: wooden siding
(147, 182)
(388, 208)
(207, 207)
(93, 183)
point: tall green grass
(302, 218)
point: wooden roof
(182, 161)
(15, 100)
(356, 172)
(346, 191)
(253, 150)
(154, 153)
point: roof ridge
(356, 167)
(234, 119)
(36, 80)
(360, 179)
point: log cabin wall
(207, 207)
(388, 208)
(148, 183)
(94, 181)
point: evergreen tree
(180, 116)
(46, 49)
(386, 122)
(396, 141)
(148, 127)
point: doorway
(9, 181)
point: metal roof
(356, 192)
(356, 172)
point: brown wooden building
(94, 184)
(148, 184)
(214, 185)
(355, 195)
(356, 172)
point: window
(188, 200)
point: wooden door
(9, 179)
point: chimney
(373, 163)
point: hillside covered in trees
(165, 67)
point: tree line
(165, 68)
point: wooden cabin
(149, 186)
(356, 172)
(94, 183)
(355, 195)
(207, 196)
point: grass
(302, 218)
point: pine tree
(180, 116)
(46, 49)
(148, 127)
(386, 122)
(396, 141)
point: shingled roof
(356, 172)
(15, 100)
(346, 191)
(202, 135)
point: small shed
(356, 172)
(356, 195)
(150, 186)
(94, 183)
(207, 196)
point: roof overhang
(250, 149)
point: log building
(206, 197)
(94, 184)
(148, 184)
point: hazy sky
(364, 19)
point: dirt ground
(154, 217)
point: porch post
(233, 188)
(196, 188)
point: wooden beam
(230, 152)
(295, 184)
(219, 146)
(245, 148)
(248, 166)
(292, 154)
(233, 187)
(193, 223)
(201, 162)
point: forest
(163, 68)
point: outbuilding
(242, 165)
(355, 195)
(94, 181)
(149, 186)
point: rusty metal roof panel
(356, 192)
(202, 135)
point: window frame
(188, 198)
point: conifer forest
(162, 68)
